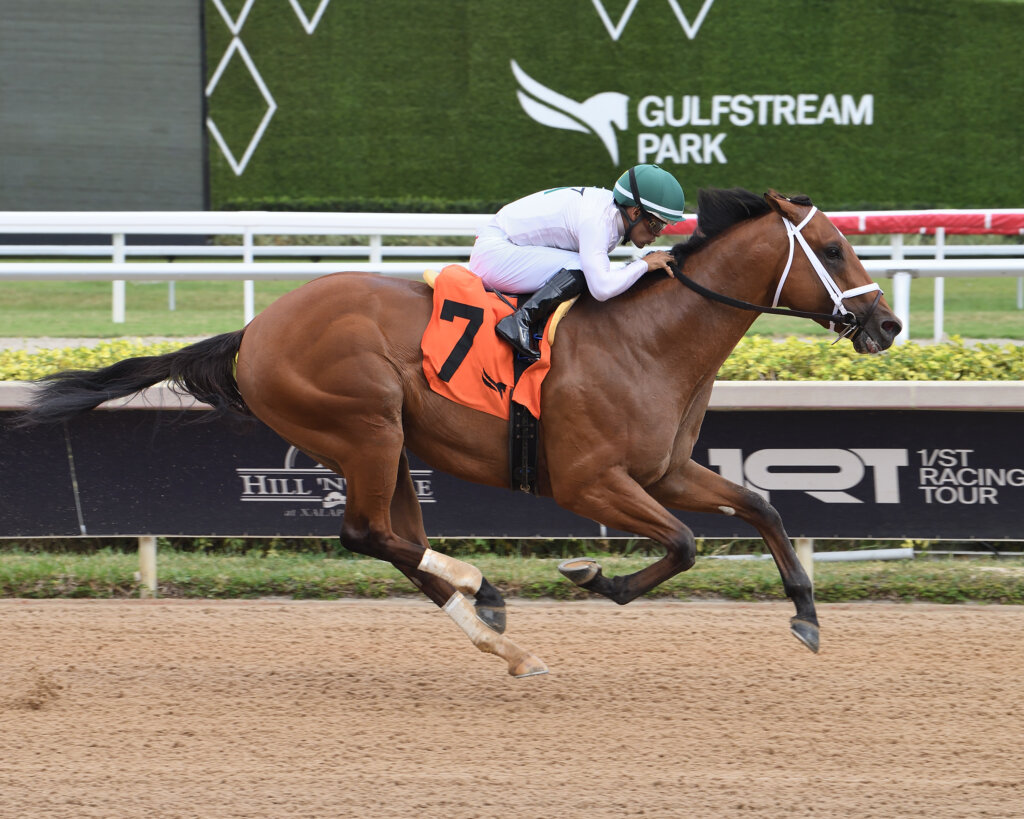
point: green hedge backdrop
(392, 99)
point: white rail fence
(249, 261)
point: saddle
(465, 361)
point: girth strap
(522, 436)
(522, 449)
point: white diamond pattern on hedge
(236, 47)
(308, 24)
(234, 26)
(691, 29)
(616, 29)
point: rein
(832, 318)
(841, 316)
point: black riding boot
(515, 329)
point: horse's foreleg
(695, 488)
(621, 503)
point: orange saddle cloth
(464, 360)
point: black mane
(718, 210)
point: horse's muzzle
(871, 332)
(876, 334)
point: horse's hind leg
(371, 474)
(407, 520)
(695, 488)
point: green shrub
(22, 365)
(756, 358)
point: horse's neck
(686, 336)
(739, 264)
(708, 332)
(677, 321)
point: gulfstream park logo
(606, 115)
(600, 115)
(310, 489)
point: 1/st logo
(824, 474)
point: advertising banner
(857, 104)
(831, 474)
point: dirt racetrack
(383, 709)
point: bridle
(851, 324)
(838, 296)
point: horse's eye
(833, 253)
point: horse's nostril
(892, 327)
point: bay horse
(335, 368)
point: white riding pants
(512, 268)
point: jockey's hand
(660, 260)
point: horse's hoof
(493, 617)
(805, 632)
(580, 570)
(528, 666)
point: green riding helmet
(659, 192)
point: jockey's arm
(605, 281)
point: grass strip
(109, 574)
(975, 307)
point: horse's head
(824, 275)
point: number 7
(450, 310)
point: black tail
(205, 370)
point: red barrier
(1005, 222)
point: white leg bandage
(462, 576)
(464, 614)
(521, 663)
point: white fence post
(901, 303)
(118, 296)
(147, 565)
(900, 291)
(805, 554)
(249, 289)
(940, 287)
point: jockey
(555, 242)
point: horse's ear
(782, 205)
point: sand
(276, 708)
